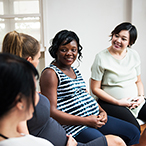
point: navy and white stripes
(72, 98)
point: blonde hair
(20, 44)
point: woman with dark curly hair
(71, 105)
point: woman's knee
(114, 141)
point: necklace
(3, 136)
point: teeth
(69, 58)
(118, 45)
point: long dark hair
(16, 77)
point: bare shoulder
(48, 75)
(48, 71)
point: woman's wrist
(117, 102)
(142, 96)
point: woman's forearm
(140, 88)
(67, 119)
(105, 97)
(139, 85)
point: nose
(118, 39)
(68, 52)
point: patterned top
(73, 99)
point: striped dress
(73, 99)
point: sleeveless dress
(73, 99)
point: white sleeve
(97, 69)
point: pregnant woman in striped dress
(71, 105)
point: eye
(124, 39)
(116, 35)
(63, 50)
(74, 50)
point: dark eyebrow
(63, 46)
(125, 37)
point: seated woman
(42, 125)
(116, 77)
(116, 80)
(17, 100)
(71, 105)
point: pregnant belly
(121, 92)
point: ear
(20, 102)
(29, 59)
(129, 45)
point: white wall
(139, 20)
(93, 20)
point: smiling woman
(115, 77)
(71, 105)
(67, 53)
(119, 43)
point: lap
(127, 131)
(119, 112)
(117, 127)
(142, 112)
(88, 134)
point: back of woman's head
(12, 43)
(62, 38)
(129, 27)
(16, 78)
(20, 44)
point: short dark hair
(65, 37)
(126, 26)
(16, 77)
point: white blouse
(118, 76)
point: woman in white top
(17, 101)
(115, 77)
